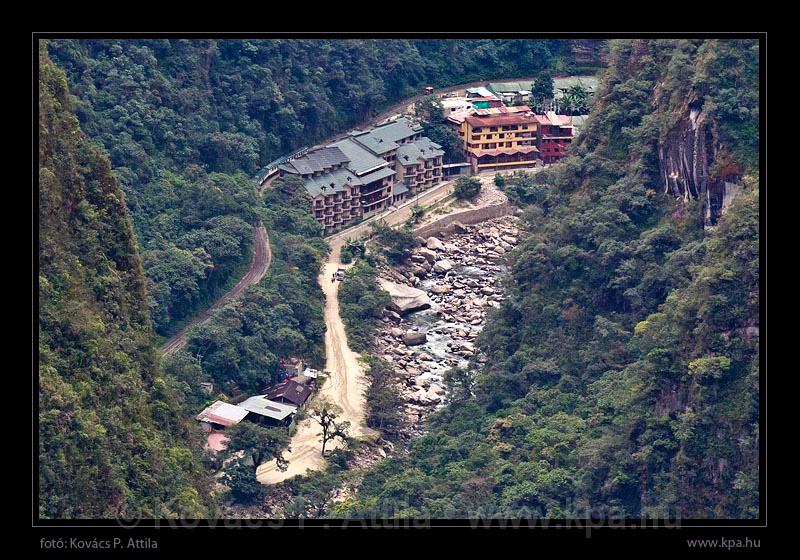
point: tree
(459, 382)
(429, 109)
(542, 91)
(242, 483)
(324, 413)
(499, 180)
(576, 100)
(262, 444)
(397, 243)
(467, 187)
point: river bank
(441, 297)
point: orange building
(501, 141)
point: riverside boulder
(405, 299)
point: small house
(290, 392)
(262, 410)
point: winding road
(262, 257)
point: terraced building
(366, 172)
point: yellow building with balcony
(500, 141)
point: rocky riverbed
(442, 295)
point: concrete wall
(467, 217)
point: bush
(499, 180)
(467, 188)
(396, 243)
(361, 303)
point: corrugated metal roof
(222, 413)
(265, 407)
(500, 120)
(509, 87)
(294, 392)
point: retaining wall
(467, 217)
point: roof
(360, 160)
(222, 413)
(501, 120)
(503, 110)
(423, 148)
(330, 183)
(550, 118)
(264, 407)
(479, 91)
(385, 137)
(290, 390)
(316, 160)
(399, 187)
(456, 102)
(509, 87)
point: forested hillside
(185, 124)
(281, 317)
(114, 440)
(622, 372)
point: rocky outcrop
(686, 157)
(405, 299)
(443, 266)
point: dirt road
(262, 257)
(345, 387)
(347, 382)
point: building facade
(366, 172)
(501, 141)
(555, 134)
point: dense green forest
(622, 372)
(281, 317)
(114, 439)
(185, 123)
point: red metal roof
(501, 120)
(555, 120)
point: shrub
(467, 188)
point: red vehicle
(428, 90)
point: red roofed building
(500, 140)
(555, 134)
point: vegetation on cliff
(114, 440)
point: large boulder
(405, 299)
(434, 244)
(428, 254)
(442, 266)
(414, 338)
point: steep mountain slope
(622, 371)
(113, 439)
